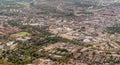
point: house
(1, 46)
(10, 43)
(55, 56)
(23, 39)
(43, 61)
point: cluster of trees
(114, 29)
(14, 23)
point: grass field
(20, 34)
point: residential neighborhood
(59, 32)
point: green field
(20, 34)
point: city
(59, 32)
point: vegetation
(114, 29)
(26, 51)
(14, 23)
